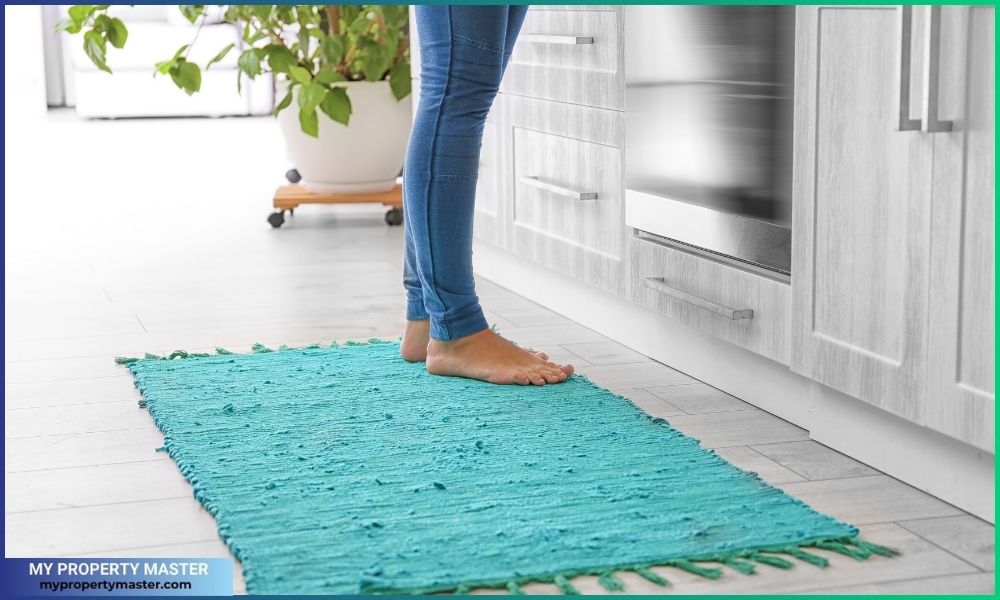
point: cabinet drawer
(570, 56)
(564, 183)
(568, 189)
(712, 297)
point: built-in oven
(708, 103)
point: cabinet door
(861, 220)
(566, 188)
(961, 351)
(492, 201)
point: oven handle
(658, 284)
(571, 40)
(556, 189)
(903, 70)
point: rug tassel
(514, 589)
(771, 560)
(223, 352)
(651, 576)
(740, 566)
(610, 582)
(808, 557)
(125, 360)
(151, 356)
(843, 549)
(873, 548)
(334, 344)
(566, 587)
(690, 567)
(283, 347)
(260, 348)
(177, 354)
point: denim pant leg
(464, 50)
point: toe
(567, 369)
(536, 379)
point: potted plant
(342, 72)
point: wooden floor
(132, 236)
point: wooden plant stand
(288, 197)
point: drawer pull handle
(658, 284)
(572, 40)
(556, 189)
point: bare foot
(416, 336)
(488, 357)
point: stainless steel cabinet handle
(903, 65)
(556, 39)
(658, 284)
(932, 62)
(556, 189)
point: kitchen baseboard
(944, 467)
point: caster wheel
(292, 175)
(394, 216)
(276, 219)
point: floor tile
(634, 375)
(738, 428)
(815, 461)
(699, 398)
(76, 418)
(965, 536)
(94, 528)
(873, 499)
(606, 353)
(89, 486)
(653, 406)
(749, 460)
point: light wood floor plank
(873, 499)
(965, 536)
(94, 528)
(814, 461)
(738, 428)
(91, 486)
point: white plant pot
(364, 156)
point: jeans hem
(458, 327)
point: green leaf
(374, 63)
(310, 96)
(222, 54)
(95, 46)
(186, 75)
(284, 102)
(80, 12)
(337, 105)
(399, 80)
(332, 49)
(299, 74)
(191, 12)
(279, 58)
(249, 63)
(165, 66)
(327, 75)
(117, 33)
(309, 122)
(359, 24)
(69, 26)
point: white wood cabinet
(889, 289)
(960, 385)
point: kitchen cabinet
(565, 188)
(880, 259)
(569, 55)
(960, 386)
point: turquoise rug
(347, 470)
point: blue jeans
(463, 52)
